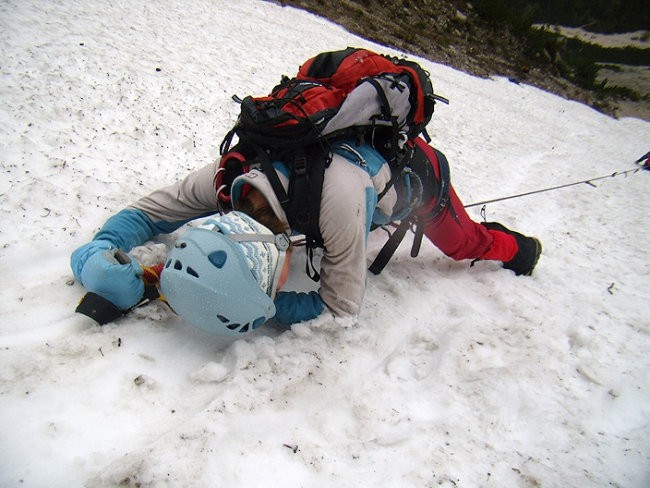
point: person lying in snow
(223, 276)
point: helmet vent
(178, 265)
(223, 319)
(169, 262)
(192, 272)
(236, 326)
(218, 258)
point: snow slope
(452, 376)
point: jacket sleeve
(347, 202)
(292, 307)
(127, 229)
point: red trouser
(455, 233)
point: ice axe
(104, 311)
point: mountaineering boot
(528, 250)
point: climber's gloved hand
(105, 270)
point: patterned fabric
(261, 257)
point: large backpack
(349, 94)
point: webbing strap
(310, 269)
(390, 247)
(274, 180)
(400, 162)
(417, 239)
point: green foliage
(574, 60)
(520, 19)
(605, 90)
(597, 15)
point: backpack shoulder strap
(305, 188)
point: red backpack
(353, 93)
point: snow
(451, 376)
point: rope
(589, 181)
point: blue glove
(80, 255)
(95, 266)
(292, 307)
(94, 263)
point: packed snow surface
(452, 376)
